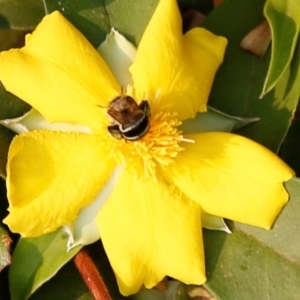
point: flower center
(159, 146)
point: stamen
(159, 147)
(157, 94)
(182, 139)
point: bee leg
(115, 132)
(145, 107)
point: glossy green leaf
(284, 20)
(238, 84)
(252, 261)
(10, 105)
(36, 260)
(21, 14)
(68, 284)
(5, 244)
(96, 18)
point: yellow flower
(150, 224)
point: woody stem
(91, 276)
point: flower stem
(91, 276)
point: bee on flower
(124, 155)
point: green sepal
(214, 120)
(214, 223)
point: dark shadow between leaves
(4, 24)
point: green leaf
(36, 260)
(284, 20)
(68, 284)
(21, 14)
(11, 106)
(5, 243)
(96, 18)
(239, 81)
(253, 261)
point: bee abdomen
(137, 130)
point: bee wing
(125, 111)
(124, 119)
(116, 115)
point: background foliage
(250, 263)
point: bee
(130, 119)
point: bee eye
(145, 107)
(115, 132)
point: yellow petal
(50, 177)
(60, 74)
(232, 177)
(180, 67)
(149, 230)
